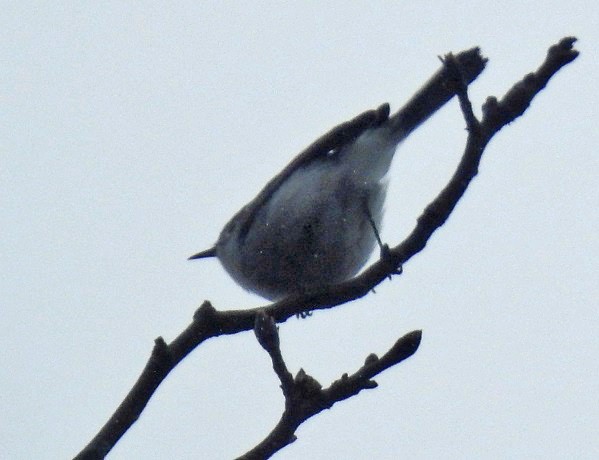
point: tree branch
(208, 322)
(304, 396)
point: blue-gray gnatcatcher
(315, 223)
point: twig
(304, 396)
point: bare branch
(268, 335)
(304, 396)
(208, 322)
(497, 114)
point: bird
(317, 222)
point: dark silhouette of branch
(305, 397)
(456, 73)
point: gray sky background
(132, 131)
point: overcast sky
(132, 131)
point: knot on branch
(306, 386)
(205, 314)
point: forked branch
(458, 70)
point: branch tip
(402, 349)
(564, 48)
(411, 341)
(266, 331)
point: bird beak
(207, 253)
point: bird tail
(434, 94)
